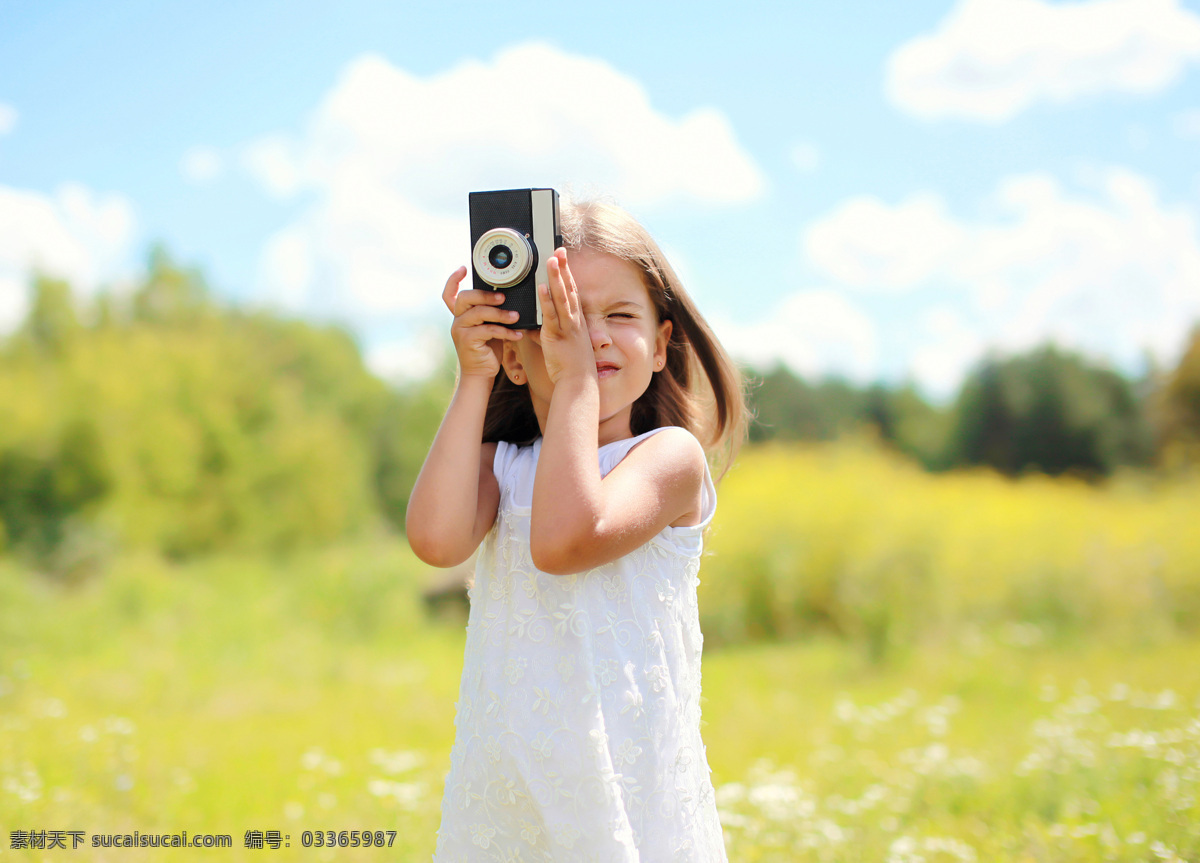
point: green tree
(405, 433)
(915, 427)
(44, 485)
(171, 294)
(787, 407)
(52, 325)
(1051, 411)
(1178, 407)
(205, 427)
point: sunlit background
(880, 191)
(952, 605)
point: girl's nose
(598, 330)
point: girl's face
(629, 342)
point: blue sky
(878, 191)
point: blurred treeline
(162, 418)
(1046, 411)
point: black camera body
(513, 233)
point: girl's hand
(564, 338)
(478, 330)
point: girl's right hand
(479, 327)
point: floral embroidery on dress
(481, 835)
(578, 720)
(514, 669)
(566, 666)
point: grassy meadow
(899, 667)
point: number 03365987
(347, 838)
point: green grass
(856, 541)
(985, 750)
(238, 694)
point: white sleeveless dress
(578, 724)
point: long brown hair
(700, 389)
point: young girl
(577, 455)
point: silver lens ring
(502, 257)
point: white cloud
(816, 333)
(408, 359)
(8, 118)
(73, 234)
(947, 347)
(865, 243)
(288, 267)
(991, 59)
(387, 159)
(273, 161)
(363, 251)
(201, 165)
(1114, 277)
(1113, 273)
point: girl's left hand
(564, 338)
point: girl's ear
(513, 367)
(661, 340)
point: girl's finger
(572, 291)
(549, 312)
(451, 289)
(476, 315)
(487, 332)
(558, 291)
(470, 299)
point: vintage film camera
(513, 233)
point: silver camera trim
(545, 228)
(521, 264)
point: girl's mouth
(604, 370)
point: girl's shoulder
(663, 439)
(673, 457)
(667, 447)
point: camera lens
(500, 257)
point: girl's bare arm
(579, 519)
(454, 501)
